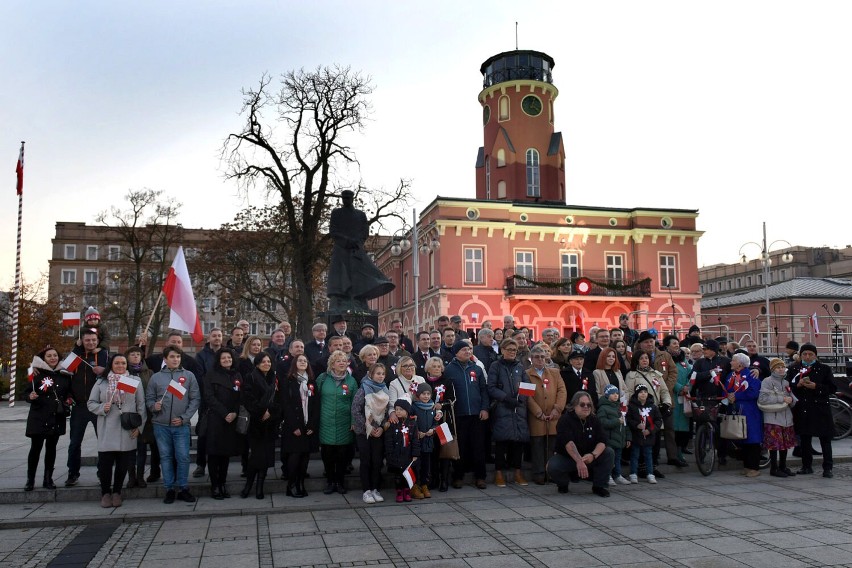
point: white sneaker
(651, 478)
(377, 497)
(611, 481)
(368, 497)
(634, 478)
(620, 479)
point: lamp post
(766, 262)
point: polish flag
(815, 324)
(409, 476)
(19, 170)
(178, 291)
(444, 433)
(30, 373)
(176, 389)
(127, 384)
(526, 389)
(70, 319)
(71, 362)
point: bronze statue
(353, 279)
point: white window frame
(113, 279)
(91, 252)
(570, 269)
(114, 252)
(525, 265)
(474, 265)
(207, 327)
(70, 252)
(533, 173)
(89, 272)
(668, 271)
(501, 189)
(69, 277)
(614, 268)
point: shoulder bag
(450, 450)
(733, 427)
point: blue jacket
(746, 404)
(470, 385)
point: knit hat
(808, 347)
(610, 390)
(712, 344)
(776, 362)
(641, 387)
(404, 404)
(92, 313)
(793, 345)
(458, 346)
(423, 387)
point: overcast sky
(740, 109)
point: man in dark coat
(590, 361)
(174, 339)
(759, 364)
(577, 378)
(423, 353)
(709, 371)
(813, 384)
(396, 325)
(317, 350)
(484, 350)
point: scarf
(112, 380)
(304, 393)
(370, 386)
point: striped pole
(17, 293)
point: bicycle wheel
(841, 412)
(705, 449)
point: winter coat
(602, 381)
(293, 417)
(746, 403)
(611, 419)
(261, 394)
(401, 443)
(470, 387)
(172, 406)
(574, 384)
(425, 414)
(111, 436)
(684, 371)
(222, 397)
(359, 413)
(48, 413)
(663, 362)
(773, 391)
(812, 413)
(335, 425)
(144, 373)
(509, 418)
(84, 377)
(205, 360)
(705, 385)
(402, 388)
(548, 396)
(654, 381)
(653, 420)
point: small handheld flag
(71, 362)
(409, 476)
(526, 389)
(127, 384)
(176, 389)
(70, 319)
(444, 433)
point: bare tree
(147, 229)
(292, 142)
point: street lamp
(766, 262)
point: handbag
(131, 420)
(733, 427)
(450, 450)
(687, 405)
(772, 406)
(243, 419)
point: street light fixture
(766, 261)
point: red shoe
(399, 496)
(406, 495)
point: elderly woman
(696, 352)
(813, 384)
(406, 382)
(367, 357)
(680, 421)
(742, 392)
(509, 419)
(581, 448)
(115, 393)
(643, 373)
(543, 411)
(608, 372)
(336, 389)
(776, 401)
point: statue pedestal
(354, 319)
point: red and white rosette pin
(237, 385)
(583, 286)
(473, 376)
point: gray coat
(509, 419)
(172, 407)
(111, 436)
(773, 391)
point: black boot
(154, 474)
(140, 478)
(48, 479)
(30, 481)
(132, 478)
(250, 474)
(261, 477)
(301, 486)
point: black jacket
(293, 417)
(812, 413)
(402, 443)
(585, 382)
(47, 412)
(221, 394)
(258, 395)
(84, 377)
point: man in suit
(590, 362)
(484, 350)
(577, 378)
(339, 327)
(316, 350)
(423, 353)
(396, 325)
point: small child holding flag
(402, 448)
(428, 419)
(612, 415)
(644, 419)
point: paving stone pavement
(687, 520)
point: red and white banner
(409, 476)
(444, 433)
(815, 324)
(526, 389)
(127, 384)
(70, 319)
(19, 170)
(30, 374)
(176, 389)
(178, 291)
(71, 362)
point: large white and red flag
(178, 291)
(815, 324)
(19, 171)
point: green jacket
(681, 420)
(336, 410)
(609, 415)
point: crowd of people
(428, 410)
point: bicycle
(841, 413)
(704, 413)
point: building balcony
(552, 282)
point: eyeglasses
(510, 349)
(406, 366)
(584, 405)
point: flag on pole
(70, 319)
(19, 170)
(71, 362)
(178, 291)
(30, 373)
(526, 389)
(815, 324)
(176, 389)
(444, 433)
(127, 384)
(409, 476)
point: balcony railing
(552, 282)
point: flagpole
(150, 319)
(17, 292)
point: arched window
(501, 190)
(504, 107)
(501, 158)
(533, 174)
